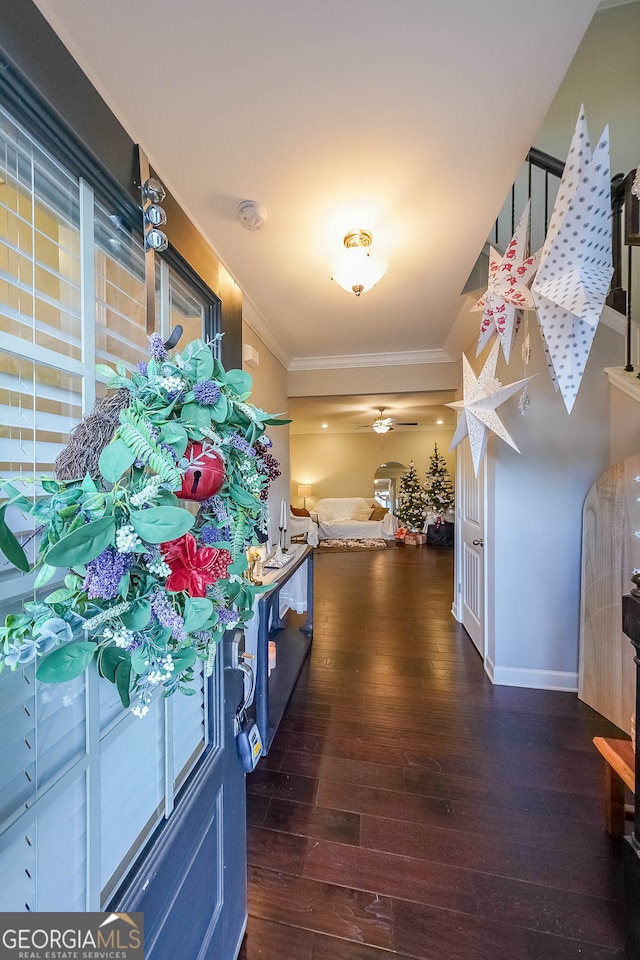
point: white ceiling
(408, 118)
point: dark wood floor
(410, 809)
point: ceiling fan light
(358, 268)
(381, 426)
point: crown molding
(254, 319)
(371, 360)
(606, 4)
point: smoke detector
(252, 215)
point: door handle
(478, 543)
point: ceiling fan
(383, 424)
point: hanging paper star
(576, 266)
(482, 395)
(508, 293)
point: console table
(273, 692)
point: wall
(534, 546)
(344, 464)
(270, 393)
(605, 76)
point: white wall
(344, 464)
(534, 542)
(605, 76)
(270, 393)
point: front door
(471, 564)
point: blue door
(191, 884)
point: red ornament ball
(203, 478)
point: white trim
(254, 319)
(614, 320)
(627, 382)
(344, 361)
(607, 4)
(532, 678)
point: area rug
(350, 546)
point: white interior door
(471, 565)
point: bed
(346, 518)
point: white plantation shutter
(84, 783)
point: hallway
(409, 808)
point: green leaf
(239, 566)
(84, 544)
(120, 367)
(160, 524)
(115, 459)
(219, 372)
(240, 381)
(175, 436)
(66, 662)
(51, 486)
(242, 497)
(220, 410)
(166, 499)
(89, 485)
(138, 616)
(123, 682)
(199, 359)
(139, 660)
(275, 421)
(104, 371)
(109, 659)
(197, 611)
(59, 596)
(45, 573)
(10, 546)
(183, 659)
(193, 415)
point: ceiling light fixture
(382, 424)
(358, 268)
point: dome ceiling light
(358, 268)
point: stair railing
(538, 181)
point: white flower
(148, 493)
(170, 384)
(127, 539)
(158, 567)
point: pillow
(361, 512)
(300, 512)
(378, 512)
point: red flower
(193, 568)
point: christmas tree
(412, 504)
(439, 486)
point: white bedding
(336, 520)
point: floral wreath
(151, 587)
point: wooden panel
(606, 670)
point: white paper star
(576, 266)
(508, 293)
(482, 395)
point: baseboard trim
(534, 679)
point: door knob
(478, 543)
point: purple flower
(241, 444)
(157, 348)
(227, 617)
(167, 449)
(210, 534)
(216, 506)
(142, 368)
(167, 616)
(207, 393)
(104, 574)
(133, 643)
(264, 441)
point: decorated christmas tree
(438, 486)
(412, 504)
